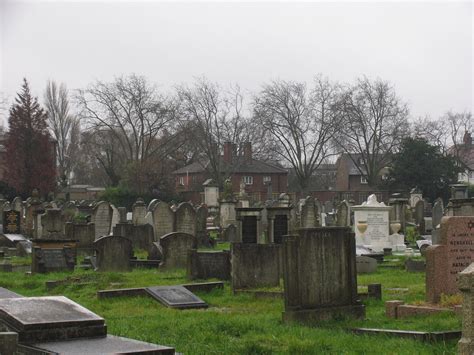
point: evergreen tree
(30, 159)
(423, 165)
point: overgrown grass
(241, 324)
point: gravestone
(155, 252)
(208, 264)
(185, 219)
(446, 260)
(163, 220)
(50, 318)
(374, 217)
(54, 256)
(151, 206)
(115, 217)
(419, 216)
(255, 265)
(12, 222)
(139, 210)
(365, 265)
(52, 224)
(343, 214)
(398, 211)
(320, 275)
(437, 212)
(466, 286)
(17, 204)
(309, 213)
(201, 226)
(328, 206)
(175, 247)
(230, 234)
(249, 224)
(175, 297)
(227, 213)
(102, 219)
(113, 253)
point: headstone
(102, 219)
(227, 213)
(201, 226)
(175, 297)
(398, 211)
(249, 224)
(365, 265)
(211, 195)
(343, 214)
(328, 206)
(466, 286)
(17, 204)
(155, 252)
(445, 260)
(52, 224)
(230, 234)
(175, 248)
(50, 318)
(12, 222)
(437, 212)
(122, 214)
(419, 216)
(309, 213)
(186, 219)
(139, 210)
(115, 217)
(371, 224)
(320, 275)
(113, 253)
(163, 220)
(152, 205)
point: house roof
(239, 165)
(324, 178)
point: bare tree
(212, 116)
(373, 122)
(64, 128)
(138, 118)
(301, 122)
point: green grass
(241, 324)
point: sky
(425, 49)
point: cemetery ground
(242, 323)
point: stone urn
(395, 227)
(362, 226)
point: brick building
(257, 175)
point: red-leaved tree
(30, 157)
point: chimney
(228, 152)
(248, 152)
(234, 150)
(467, 139)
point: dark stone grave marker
(176, 297)
(249, 229)
(11, 222)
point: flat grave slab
(5, 293)
(49, 318)
(176, 297)
(105, 345)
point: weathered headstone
(320, 275)
(230, 234)
(343, 214)
(466, 286)
(175, 297)
(113, 253)
(52, 224)
(437, 212)
(309, 213)
(163, 220)
(17, 204)
(53, 257)
(227, 213)
(365, 265)
(185, 219)
(102, 219)
(208, 264)
(175, 248)
(115, 217)
(11, 222)
(419, 216)
(445, 260)
(139, 210)
(201, 226)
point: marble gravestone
(175, 297)
(163, 220)
(446, 260)
(102, 219)
(374, 216)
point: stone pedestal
(319, 272)
(466, 285)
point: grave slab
(38, 319)
(107, 345)
(5, 293)
(176, 297)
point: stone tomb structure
(53, 255)
(278, 223)
(139, 210)
(113, 253)
(255, 265)
(446, 260)
(374, 217)
(320, 275)
(175, 248)
(208, 264)
(249, 224)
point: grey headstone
(176, 297)
(365, 265)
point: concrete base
(311, 316)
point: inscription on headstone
(12, 222)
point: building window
(248, 180)
(363, 180)
(181, 180)
(267, 179)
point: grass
(242, 324)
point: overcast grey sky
(424, 49)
